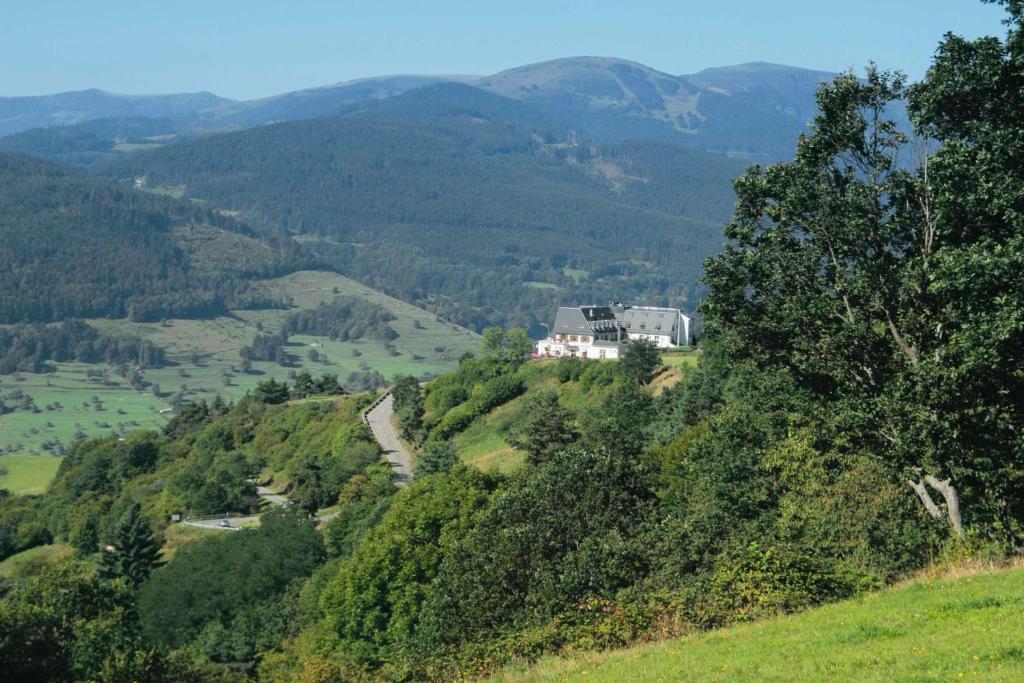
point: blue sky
(253, 48)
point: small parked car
(224, 524)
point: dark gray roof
(584, 319)
(652, 320)
(596, 313)
(570, 321)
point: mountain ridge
(607, 99)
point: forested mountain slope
(74, 246)
(454, 198)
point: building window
(600, 354)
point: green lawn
(27, 473)
(682, 358)
(932, 630)
(71, 403)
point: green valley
(203, 362)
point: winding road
(378, 418)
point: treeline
(267, 347)
(30, 348)
(72, 246)
(344, 319)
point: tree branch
(908, 350)
(948, 492)
(929, 504)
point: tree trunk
(922, 493)
(948, 491)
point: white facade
(577, 346)
(597, 332)
(666, 327)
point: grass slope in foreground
(969, 628)
(73, 402)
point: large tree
(134, 551)
(884, 273)
(544, 427)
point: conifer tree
(134, 551)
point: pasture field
(27, 473)
(949, 629)
(92, 400)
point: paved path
(379, 419)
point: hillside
(929, 629)
(456, 199)
(73, 246)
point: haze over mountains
(751, 109)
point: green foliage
(267, 347)
(373, 603)
(640, 360)
(483, 397)
(362, 502)
(891, 292)
(409, 405)
(557, 534)
(319, 446)
(436, 457)
(27, 348)
(271, 392)
(448, 198)
(619, 418)
(753, 582)
(65, 624)
(543, 427)
(343, 318)
(506, 347)
(946, 623)
(133, 551)
(568, 369)
(227, 578)
(22, 524)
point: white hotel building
(599, 331)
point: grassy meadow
(947, 629)
(93, 400)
